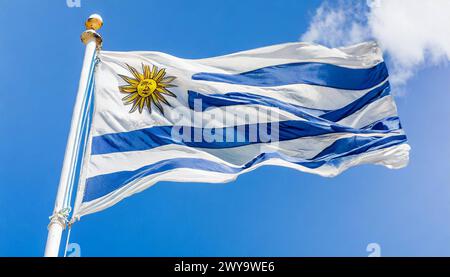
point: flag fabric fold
(161, 118)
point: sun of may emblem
(146, 88)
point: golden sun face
(146, 88)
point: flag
(157, 117)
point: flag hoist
(59, 218)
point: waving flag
(161, 118)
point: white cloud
(413, 33)
(338, 24)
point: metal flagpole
(58, 220)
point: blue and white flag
(161, 118)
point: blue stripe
(162, 135)
(345, 145)
(358, 104)
(389, 123)
(238, 98)
(311, 73)
(101, 185)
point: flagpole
(58, 220)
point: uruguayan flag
(161, 118)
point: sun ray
(130, 98)
(147, 71)
(149, 106)
(127, 89)
(162, 99)
(154, 70)
(157, 104)
(161, 74)
(135, 73)
(135, 105)
(168, 79)
(141, 105)
(166, 85)
(165, 91)
(129, 80)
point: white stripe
(306, 148)
(363, 55)
(377, 110)
(392, 157)
(308, 96)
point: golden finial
(93, 23)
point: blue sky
(271, 211)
